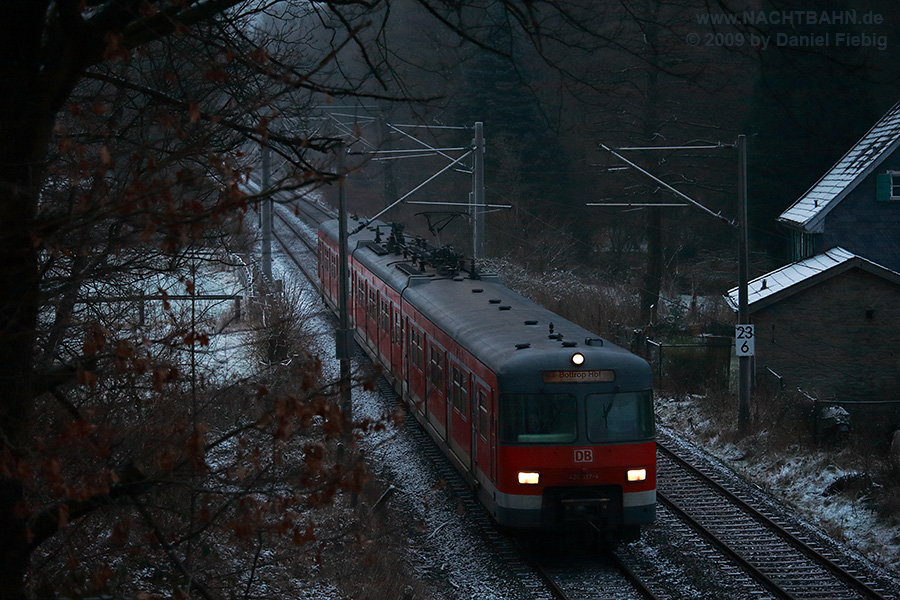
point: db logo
(584, 455)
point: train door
(436, 399)
(326, 285)
(352, 298)
(482, 432)
(326, 275)
(355, 299)
(405, 358)
(415, 366)
(384, 330)
(459, 413)
(362, 291)
(372, 318)
(333, 283)
(397, 342)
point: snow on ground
(797, 476)
(448, 549)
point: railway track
(314, 211)
(538, 579)
(731, 544)
(762, 541)
(292, 234)
(530, 581)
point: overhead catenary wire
(668, 187)
(415, 189)
(427, 151)
(639, 204)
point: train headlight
(578, 359)
(636, 474)
(529, 478)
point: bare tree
(128, 132)
(125, 151)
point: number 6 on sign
(744, 340)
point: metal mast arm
(667, 186)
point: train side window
(372, 309)
(415, 348)
(459, 392)
(437, 369)
(538, 418)
(397, 328)
(361, 294)
(384, 318)
(484, 419)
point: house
(856, 204)
(828, 325)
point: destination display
(581, 376)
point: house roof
(808, 213)
(796, 277)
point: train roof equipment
(501, 328)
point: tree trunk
(19, 176)
(29, 103)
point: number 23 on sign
(744, 340)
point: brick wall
(837, 339)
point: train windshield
(537, 418)
(620, 417)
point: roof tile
(856, 164)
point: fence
(142, 299)
(701, 365)
(244, 273)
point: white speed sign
(744, 340)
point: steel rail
(725, 549)
(558, 591)
(817, 557)
(312, 279)
(633, 578)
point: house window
(888, 186)
(803, 244)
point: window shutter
(883, 187)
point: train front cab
(571, 455)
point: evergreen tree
(809, 106)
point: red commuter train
(552, 426)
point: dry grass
(377, 562)
(848, 487)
